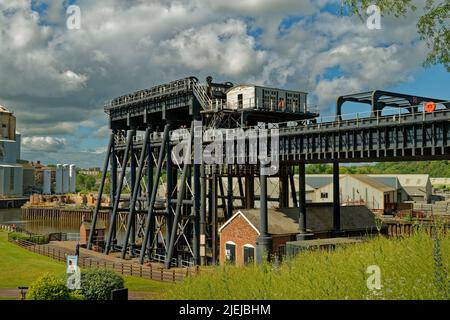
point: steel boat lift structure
(170, 212)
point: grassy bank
(407, 272)
(19, 267)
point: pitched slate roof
(319, 218)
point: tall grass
(408, 271)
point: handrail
(307, 125)
(157, 91)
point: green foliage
(85, 183)
(38, 239)
(48, 287)
(438, 169)
(407, 272)
(433, 25)
(434, 29)
(99, 283)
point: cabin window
(230, 252)
(11, 180)
(240, 99)
(249, 254)
(324, 195)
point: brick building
(238, 235)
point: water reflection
(14, 216)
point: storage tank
(59, 179)
(73, 178)
(66, 179)
(46, 182)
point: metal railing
(201, 95)
(142, 271)
(154, 92)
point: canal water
(14, 216)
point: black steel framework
(170, 212)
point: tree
(433, 25)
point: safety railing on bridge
(182, 85)
(359, 119)
(355, 119)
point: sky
(56, 79)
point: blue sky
(56, 80)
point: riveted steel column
(229, 212)
(264, 241)
(132, 186)
(131, 134)
(113, 191)
(100, 191)
(250, 191)
(203, 189)
(196, 223)
(150, 166)
(214, 216)
(170, 186)
(336, 199)
(293, 190)
(136, 186)
(150, 215)
(302, 202)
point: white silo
(46, 182)
(73, 178)
(59, 179)
(66, 179)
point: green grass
(407, 272)
(19, 267)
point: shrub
(48, 287)
(38, 239)
(98, 284)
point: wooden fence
(145, 272)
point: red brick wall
(83, 235)
(240, 232)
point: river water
(13, 216)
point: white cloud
(56, 80)
(223, 47)
(46, 144)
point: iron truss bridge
(165, 210)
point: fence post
(131, 269)
(173, 275)
(122, 267)
(140, 271)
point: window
(324, 195)
(249, 254)
(240, 98)
(230, 252)
(11, 180)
